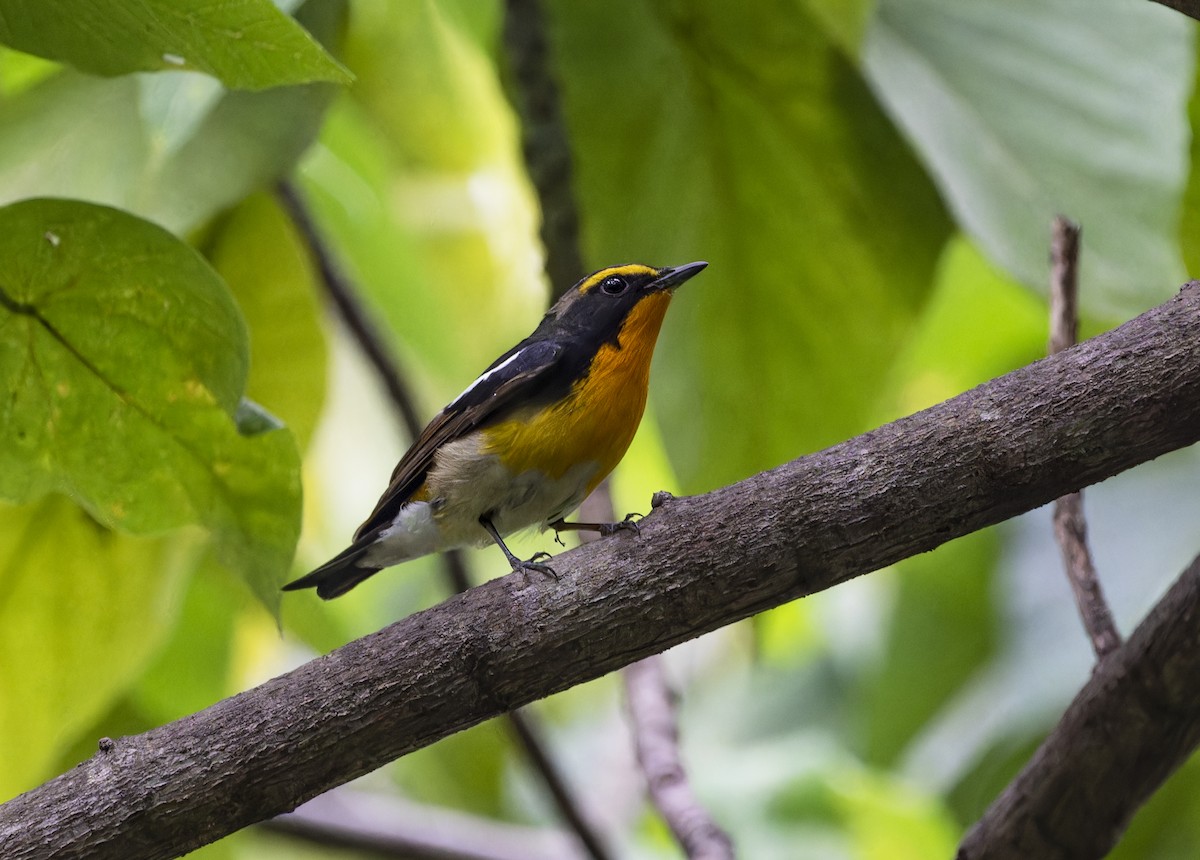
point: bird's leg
(628, 524)
(533, 563)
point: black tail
(338, 575)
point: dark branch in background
(546, 144)
(1070, 527)
(699, 563)
(652, 709)
(1134, 722)
(544, 139)
(345, 299)
(530, 740)
(1191, 8)
(391, 827)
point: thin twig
(545, 140)
(652, 712)
(345, 299)
(1070, 527)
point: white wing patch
(485, 377)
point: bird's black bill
(670, 278)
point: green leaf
(82, 608)
(125, 358)
(844, 20)
(978, 324)
(20, 71)
(1189, 222)
(182, 678)
(172, 148)
(258, 253)
(420, 185)
(1024, 109)
(747, 139)
(942, 629)
(249, 44)
(432, 131)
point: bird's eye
(614, 286)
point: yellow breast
(597, 420)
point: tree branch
(544, 139)
(1131, 725)
(345, 298)
(699, 563)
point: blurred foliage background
(872, 184)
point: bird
(529, 439)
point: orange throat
(597, 420)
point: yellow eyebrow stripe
(631, 269)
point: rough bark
(699, 563)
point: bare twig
(1064, 284)
(546, 144)
(1070, 528)
(702, 562)
(392, 827)
(345, 299)
(1134, 722)
(652, 711)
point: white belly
(463, 486)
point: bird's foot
(534, 563)
(629, 524)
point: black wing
(512, 380)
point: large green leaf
(81, 610)
(257, 252)
(421, 181)
(1189, 222)
(1024, 109)
(125, 360)
(744, 137)
(249, 44)
(174, 148)
(844, 20)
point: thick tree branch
(699, 563)
(1132, 724)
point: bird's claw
(534, 563)
(629, 524)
